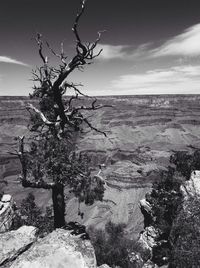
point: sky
(149, 46)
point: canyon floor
(142, 133)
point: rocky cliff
(23, 249)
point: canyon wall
(142, 133)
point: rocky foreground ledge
(22, 249)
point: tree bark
(58, 205)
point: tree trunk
(58, 205)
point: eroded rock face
(146, 210)
(6, 212)
(58, 249)
(148, 237)
(13, 243)
(191, 188)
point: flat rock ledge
(58, 249)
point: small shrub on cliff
(30, 214)
(112, 247)
(186, 162)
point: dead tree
(51, 161)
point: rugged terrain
(143, 131)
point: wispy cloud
(111, 52)
(123, 52)
(184, 44)
(5, 59)
(178, 79)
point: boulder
(6, 212)
(13, 243)
(58, 249)
(148, 238)
(146, 210)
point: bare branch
(74, 29)
(42, 116)
(40, 45)
(91, 126)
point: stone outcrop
(148, 238)
(146, 210)
(6, 212)
(191, 188)
(13, 243)
(58, 249)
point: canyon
(142, 133)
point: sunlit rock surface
(56, 250)
(191, 188)
(13, 243)
(6, 212)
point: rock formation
(191, 188)
(6, 212)
(58, 249)
(149, 238)
(14, 243)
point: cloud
(111, 52)
(5, 59)
(174, 80)
(123, 52)
(184, 44)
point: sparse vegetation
(185, 236)
(112, 246)
(178, 222)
